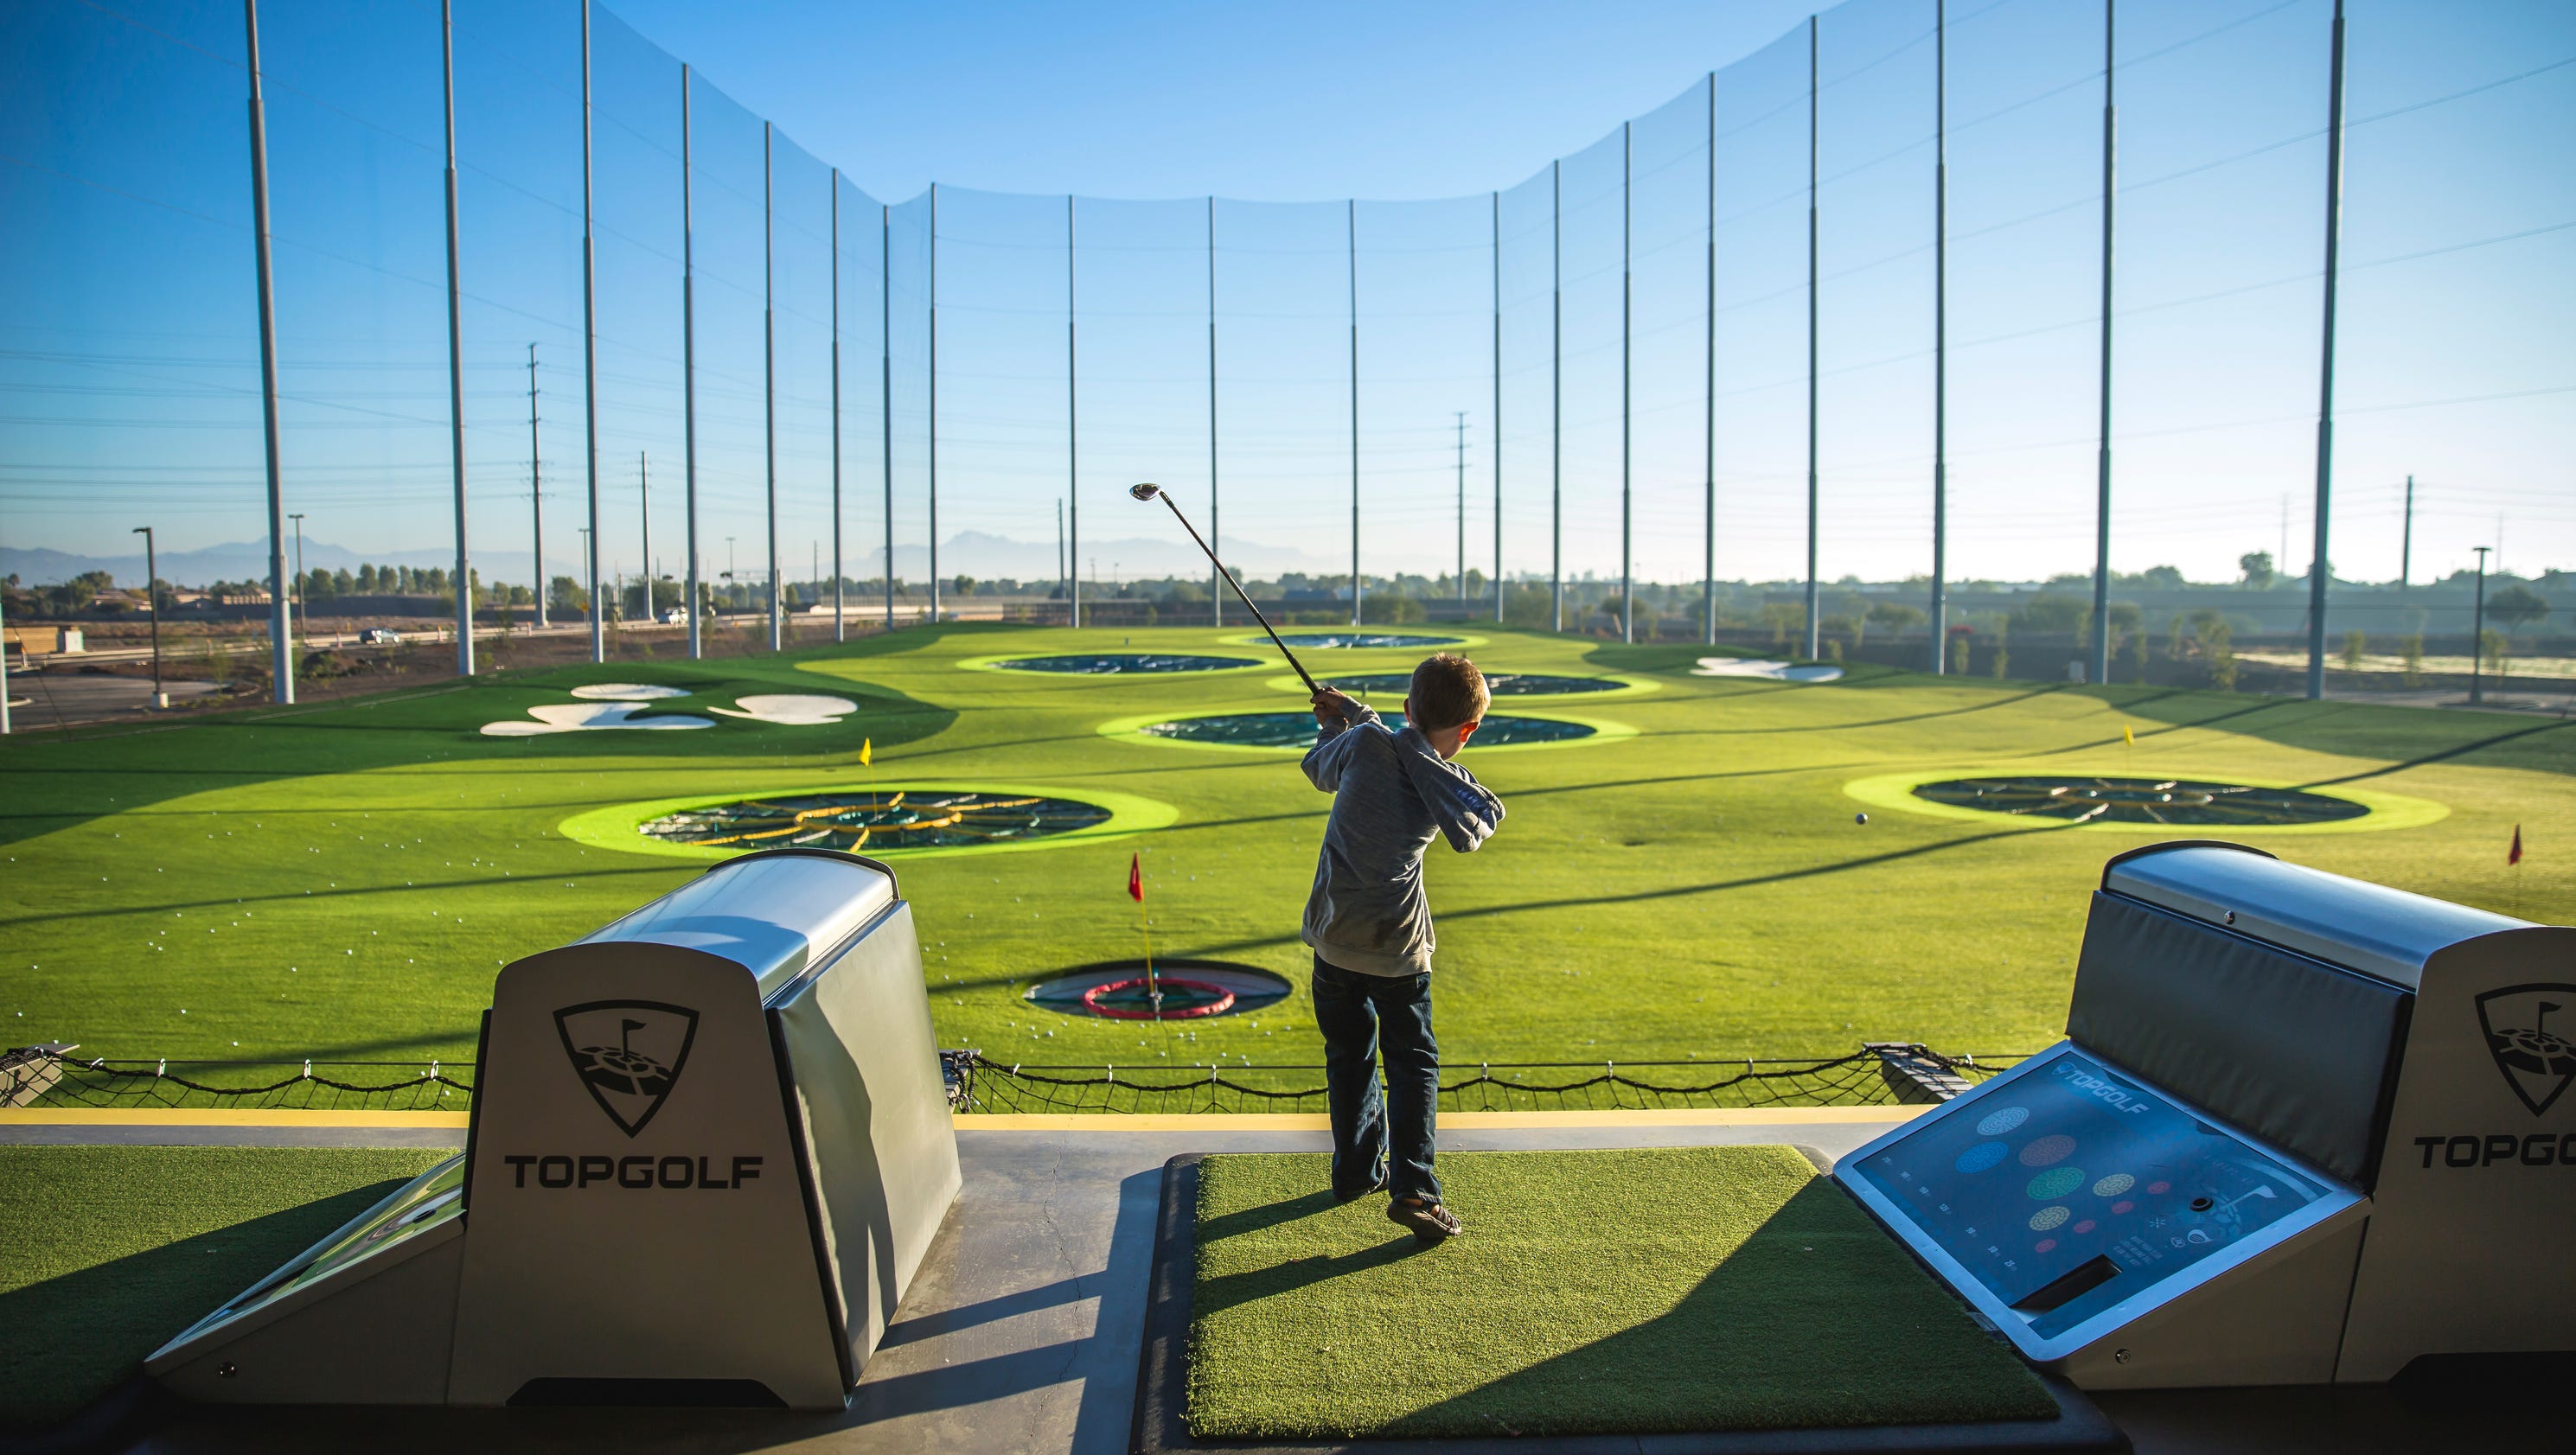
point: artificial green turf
(106, 1252)
(1630, 1292)
(342, 881)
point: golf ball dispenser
(709, 1150)
(2303, 1130)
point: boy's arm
(1335, 716)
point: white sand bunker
(587, 717)
(627, 692)
(791, 709)
(1756, 667)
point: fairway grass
(107, 1252)
(1712, 1288)
(342, 881)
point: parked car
(377, 636)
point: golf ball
(1860, 818)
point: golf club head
(1144, 492)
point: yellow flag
(2125, 736)
(867, 752)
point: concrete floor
(1022, 1331)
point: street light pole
(2478, 633)
(152, 599)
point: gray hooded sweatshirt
(1391, 795)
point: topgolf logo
(2537, 1062)
(628, 1054)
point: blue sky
(131, 372)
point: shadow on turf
(1765, 1280)
(72, 1344)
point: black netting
(1297, 730)
(2078, 799)
(898, 819)
(1500, 684)
(1875, 1075)
(1102, 664)
(47, 1080)
(1366, 639)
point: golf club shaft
(1311, 688)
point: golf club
(1150, 492)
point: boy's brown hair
(1447, 691)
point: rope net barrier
(1878, 1074)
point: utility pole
(1216, 596)
(1354, 216)
(2478, 634)
(885, 386)
(1073, 407)
(933, 372)
(1627, 291)
(644, 511)
(840, 624)
(769, 380)
(1556, 397)
(152, 599)
(1498, 407)
(1462, 504)
(536, 496)
(2102, 462)
(2406, 541)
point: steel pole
(885, 384)
(644, 522)
(455, 349)
(1708, 403)
(2318, 567)
(1556, 398)
(2102, 465)
(2478, 635)
(1462, 506)
(1216, 598)
(689, 370)
(1940, 605)
(1072, 390)
(2406, 541)
(769, 377)
(1356, 589)
(1627, 288)
(840, 618)
(536, 493)
(590, 358)
(1498, 407)
(1815, 644)
(152, 596)
(934, 402)
(280, 650)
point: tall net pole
(1216, 571)
(1708, 399)
(455, 348)
(2101, 644)
(2318, 568)
(689, 371)
(1556, 397)
(1072, 432)
(1627, 291)
(1815, 644)
(840, 621)
(934, 404)
(1940, 603)
(280, 649)
(1356, 589)
(590, 359)
(1498, 407)
(769, 378)
(885, 385)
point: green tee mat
(107, 1252)
(1725, 1300)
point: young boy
(1370, 925)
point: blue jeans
(1360, 1015)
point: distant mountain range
(972, 553)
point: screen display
(2071, 1188)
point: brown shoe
(1429, 1222)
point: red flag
(1136, 871)
(2513, 856)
